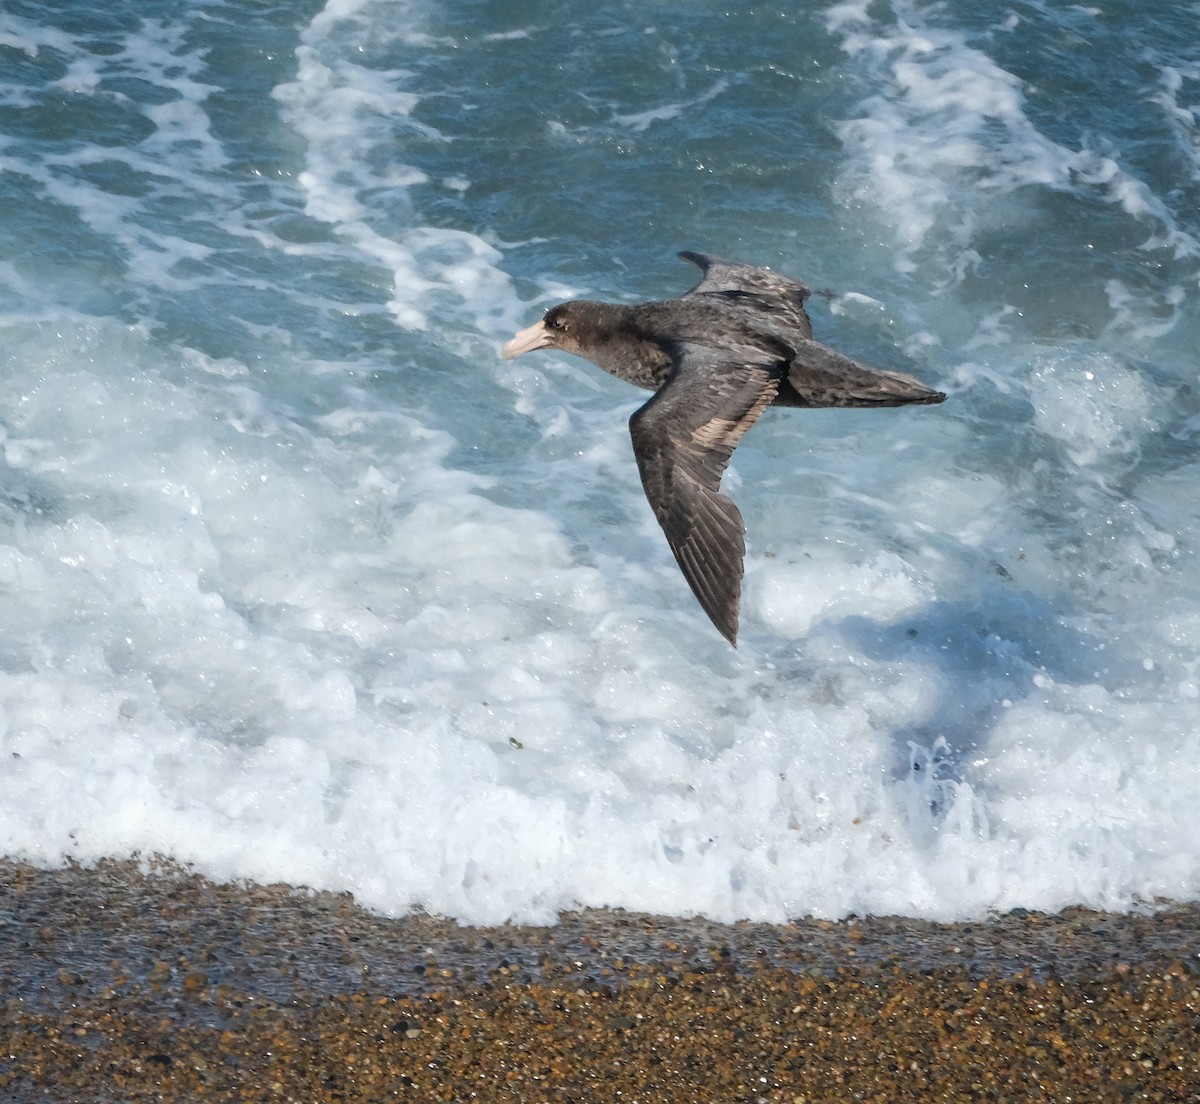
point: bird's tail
(820, 376)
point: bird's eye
(555, 322)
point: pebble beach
(128, 982)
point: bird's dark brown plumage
(716, 358)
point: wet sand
(116, 985)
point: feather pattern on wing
(683, 439)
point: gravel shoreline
(121, 985)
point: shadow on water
(986, 655)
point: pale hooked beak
(535, 337)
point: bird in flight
(715, 358)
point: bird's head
(573, 327)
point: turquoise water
(300, 581)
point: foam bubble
(1097, 407)
(791, 598)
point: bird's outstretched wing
(758, 290)
(683, 439)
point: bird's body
(715, 358)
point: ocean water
(300, 582)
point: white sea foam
(948, 122)
(349, 114)
(31, 38)
(642, 120)
(339, 598)
(793, 598)
(1098, 409)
